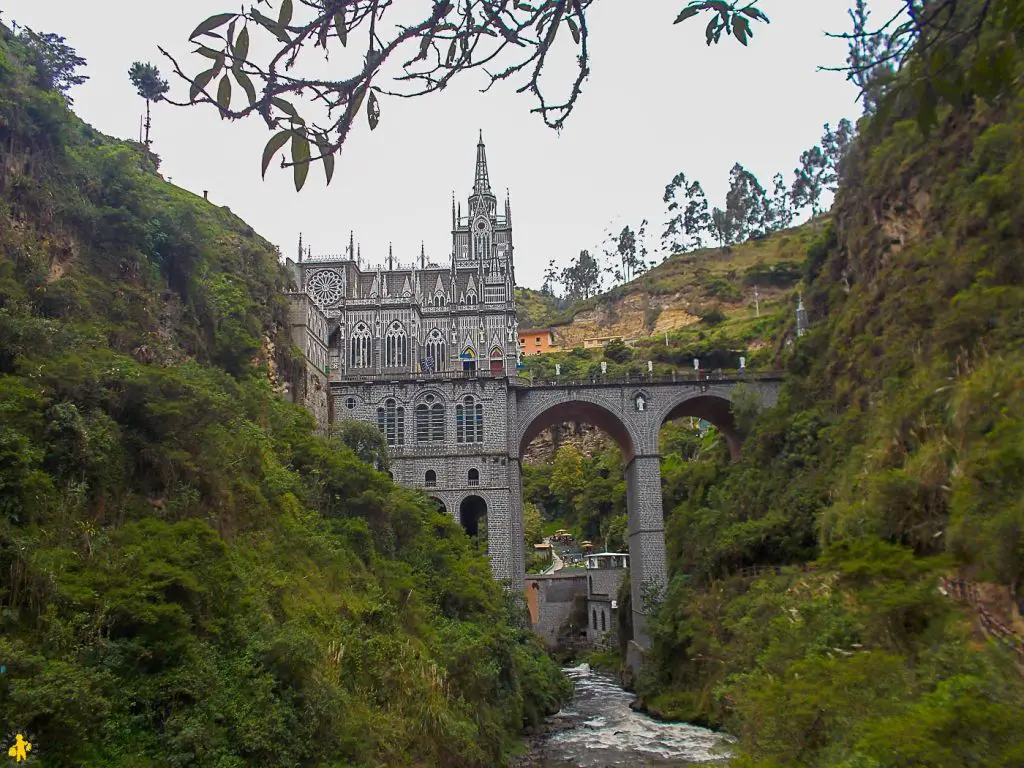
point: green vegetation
(188, 576)
(803, 613)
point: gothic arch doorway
(472, 511)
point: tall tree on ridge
(149, 85)
(696, 219)
(582, 278)
(780, 205)
(746, 205)
(671, 238)
(56, 63)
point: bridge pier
(649, 573)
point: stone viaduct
(632, 413)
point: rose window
(326, 287)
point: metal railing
(518, 379)
(682, 377)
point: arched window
(430, 421)
(436, 351)
(391, 422)
(396, 346)
(471, 298)
(593, 622)
(474, 477)
(469, 421)
(361, 347)
(439, 300)
(430, 480)
(603, 627)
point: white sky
(658, 101)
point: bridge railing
(519, 380)
(682, 377)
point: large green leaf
(224, 92)
(241, 49)
(328, 158)
(211, 24)
(276, 142)
(300, 158)
(284, 18)
(200, 82)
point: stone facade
(428, 354)
(308, 330)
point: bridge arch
(713, 407)
(581, 410)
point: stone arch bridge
(632, 412)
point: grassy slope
(187, 575)
(675, 294)
(896, 455)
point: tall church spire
(481, 182)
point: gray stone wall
(556, 595)
(308, 332)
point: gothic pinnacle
(481, 181)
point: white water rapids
(597, 729)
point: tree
(671, 238)
(365, 440)
(506, 41)
(696, 219)
(780, 205)
(150, 86)
(722, 227)
(834, 147)
(532, 525)
(56, 63)
(617, 351)
(810, 180)
(869, 63)
(582, 278)
(550, 279)
(746, 205)
(567, 478)
(821, 167)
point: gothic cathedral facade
(428, 353)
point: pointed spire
(454, 220)
(300, 246)
(481, 182)
(391, 259)
(508, 207)
(351, 244)
(423, 255)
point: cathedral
(428, 353)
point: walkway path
(556, 562)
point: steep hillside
(677, 293)
(805, 612)
(188, 576)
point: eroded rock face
(587, 439)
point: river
(597, 729)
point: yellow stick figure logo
(20, 749)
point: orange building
(537, 341)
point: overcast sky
(658, 101)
